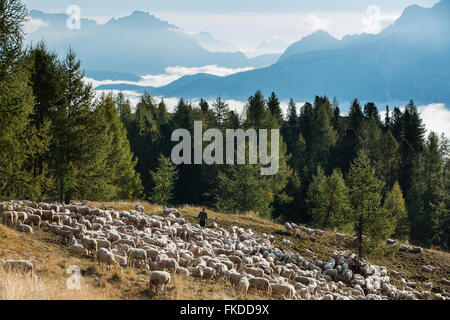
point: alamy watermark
(74, 20)
(214, 152)
(73, 282)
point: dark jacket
(202, 216)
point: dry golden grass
(18, 286)
(51, 261)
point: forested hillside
(379, 177)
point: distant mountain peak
(140, 18)
(320, 32)
(317, 41)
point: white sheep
(25, 228)
(24, 266)
(78, 249)
(243, 285)
(106, 257)
(260, 285)
(286, 290)
(158, 281)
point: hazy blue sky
(246, 23)
(114, 7)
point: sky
(288, 20)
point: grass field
(51, 261)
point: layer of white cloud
(435, 117)
(375, 20)
(312, 23)
(33, 25)
(172, 74)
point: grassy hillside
(51, 261)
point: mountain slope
(138, 44)
(317, 41)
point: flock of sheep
(168, 244)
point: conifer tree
(204, 106)
(164, 180)
(387, 119)
(124, 109)
(121, 180)
(371, 111)
(241, 189)
(256, 112)
(233, 121)
(274, 106)
(370, 139)
(371, 224)
(389, 160)
(395, 208)
(328, 199)
(434, 190)
(292, 114)
(323, 137)
(221, 110)
(19, 139)
(76, 150)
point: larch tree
(328, 199)
(275, 109)
(76, 149)
(164, 180)
(19, 139)
(221, 110)
(241, 189)
(394, 205)
(371, 224)
(121, 180)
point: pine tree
(256, 112)
(292, 114)
(204, 106)
(434, 193)
(389, 160)
(124, 109)
(122, 182)
(221, 110)
(442, 232)
(397, 124)
(371, 111)
(371, 224)
(349, 143)
(233, 121)
(328, 199)
(274, 106)
(355, 115)
(75, 149)
(387, 119)
(323, 136)
(317, 196)
(164, 180)
(241, 189)
(46, 79)
(19, 139)
(371, 140)
(395, 208)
